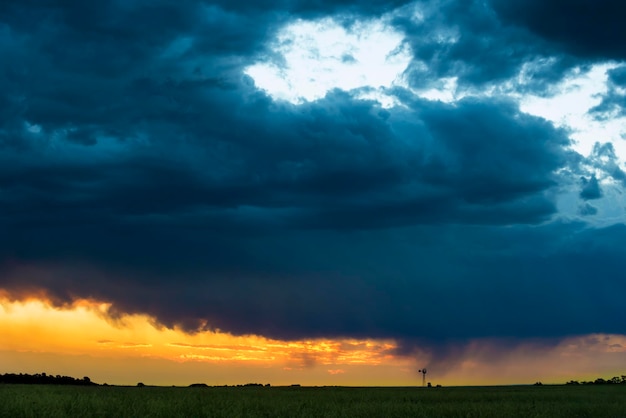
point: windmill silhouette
(423, 372)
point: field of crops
(292, 402)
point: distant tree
(140, 385)
(42, 379)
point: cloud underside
(140, 166)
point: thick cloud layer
(140, 166)
(591, 30)
(470, 42)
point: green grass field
(291, 402)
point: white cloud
(569, 108)
(318, 56)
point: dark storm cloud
(427, 284)
(614, 101)
(588, 29)
(617, 76)
(138, 165)
(336, 163)
(590, 188)
(468, 40)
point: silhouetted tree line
(599, 381)
(45, 379)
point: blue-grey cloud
(138, 165)
(603, 158)
(587, 209)
(468, 40)
(590, 188)
(614, 101)
(590, 30)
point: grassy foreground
(291, 402)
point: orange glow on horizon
(35, 326)
(83, 328)
(80, 339)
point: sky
(314, 192)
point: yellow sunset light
(83, 329)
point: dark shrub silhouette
(44, 379)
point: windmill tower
(423, 372)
